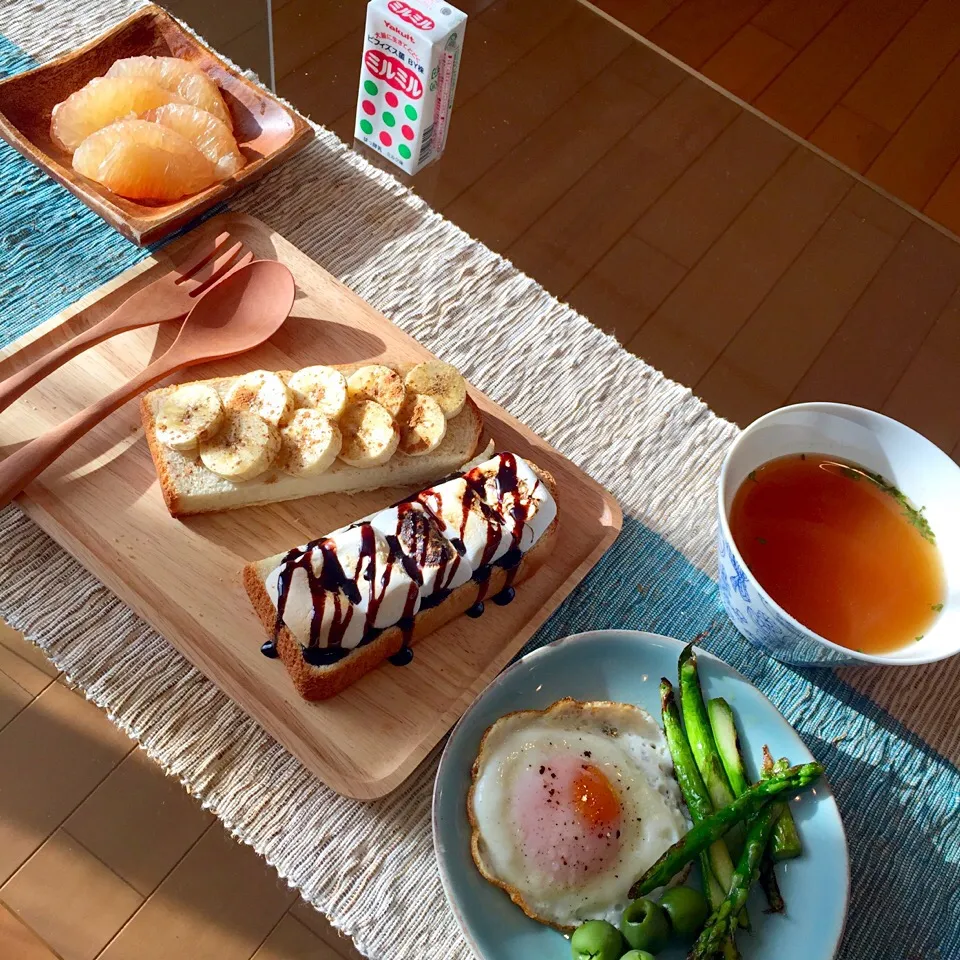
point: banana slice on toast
(244, 447)
(441, 381)
(370, 434)
(190, 414)
(320, 388)
(422, 425)
(263, 393)
(377, 383)
(309, 443)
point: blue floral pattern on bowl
(760, 622)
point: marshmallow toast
(337, 607)
(265, 436)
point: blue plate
(626, 665)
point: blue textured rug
(900, 800)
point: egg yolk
(594, 798)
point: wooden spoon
(237, 314)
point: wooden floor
(713, 245)
(875, 83)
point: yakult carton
(411, 58)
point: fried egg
(569, 805)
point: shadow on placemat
(900, 800)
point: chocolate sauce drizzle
(416, 544)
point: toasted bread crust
(167, 487)
(323, 682)
(174, 497)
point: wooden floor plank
(78, 747)
(626, 286)
(32, 678)
(900, 76)
(303, 29)
(490, 53)
(315, 921)
(865, 358)
(139, 822)
(291, 940)
(527, 181)
(748, 62)
(577, 231)
(222, 900)
(923, 151)
(796, 22)
(13, 698)
(925, 397)
(698, 28)
(21, 942)
(775, 347)
(326, 85)
(649, 70)
(639, 15)
(852, 139)
(692, 328)
(821, 73)
(70, 898)
(531, 21)
(690, 216)
(16, 643)
(944, 205)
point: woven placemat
(647, 439)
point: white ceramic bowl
(928, 477)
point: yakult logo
(385, 67)
(411, 15)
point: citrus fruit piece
(144, 161)
(209, 135)
(180, 77)
(101, 102)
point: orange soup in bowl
(841, 550)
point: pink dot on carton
(368, 108)
(385, 138)
(407, 131)
(391, 98)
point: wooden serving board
(101, 502)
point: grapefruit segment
(180, 77)
(208, 134)
(144, 161)
(101, 102)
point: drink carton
(411, 58)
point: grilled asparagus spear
(720, 925)
(785, 843)
(717, 824)
(715, 861)
(728, 744)
(704, 747)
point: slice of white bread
(189, 487)
(322, 682)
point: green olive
(638, 955)
(645, 926)
(687, 910)
(596, 940)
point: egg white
(628, 746)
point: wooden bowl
(266, 130)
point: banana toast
(266, 436)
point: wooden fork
(168, 298)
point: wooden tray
(267, 131)
(101, 502)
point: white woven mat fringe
(646, 438)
